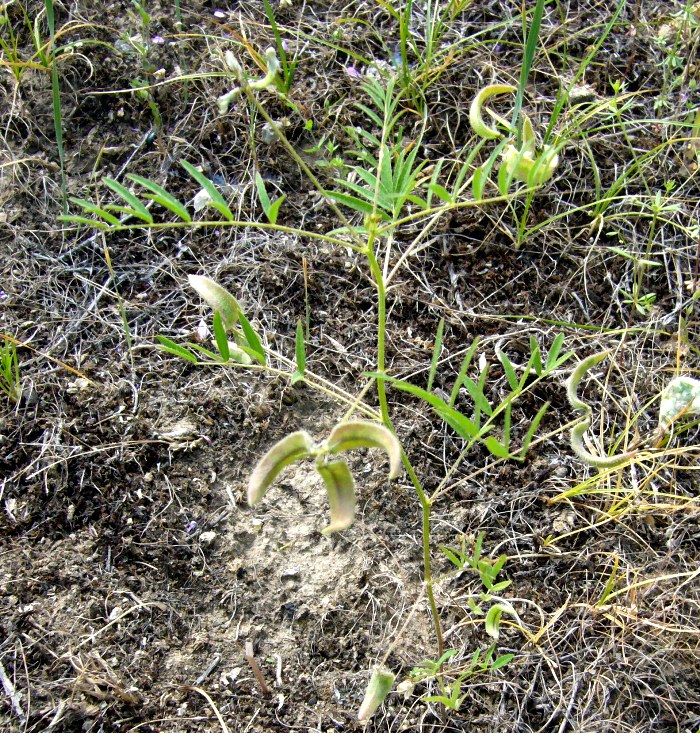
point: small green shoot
(271, 208)
(10, 382)
(300, 353)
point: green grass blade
(300, 353)
(56, 102)
(463, 371)
(217, 200)
(531, 41)
(138, 209)
(162, 197)
(531, 431)
(279, 46)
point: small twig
(12, 694)
(209, 669)
(256, 669)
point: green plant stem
(425, 502)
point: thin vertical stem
(425, 502)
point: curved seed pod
(681, 396)
(363, 434)
(578, 431)
(218, 298)
(379, 687)
(340, 488)
(283, 453)
(475, 118)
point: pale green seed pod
(291, 448)
(340, 488)
(218, 298)
(364, 434)
(476, 120)
(379, 687)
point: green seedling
(452, 697)
(336, 475)
(10, 382)
(271, 208)
(476, 429)
(388, 171)
(300, 354)
(488, 571)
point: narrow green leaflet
(94, 209)
(137, 208)
(161, 196)
(463, 370)
(554, 361)
(221, 337)
(501, 661)
(496, 448)
(175, 349)
(262, 193)
(535, 356)
(73, 219)
(217, 200)
(511, 376)
(459, 422)
(531, 431)
(256, 348)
